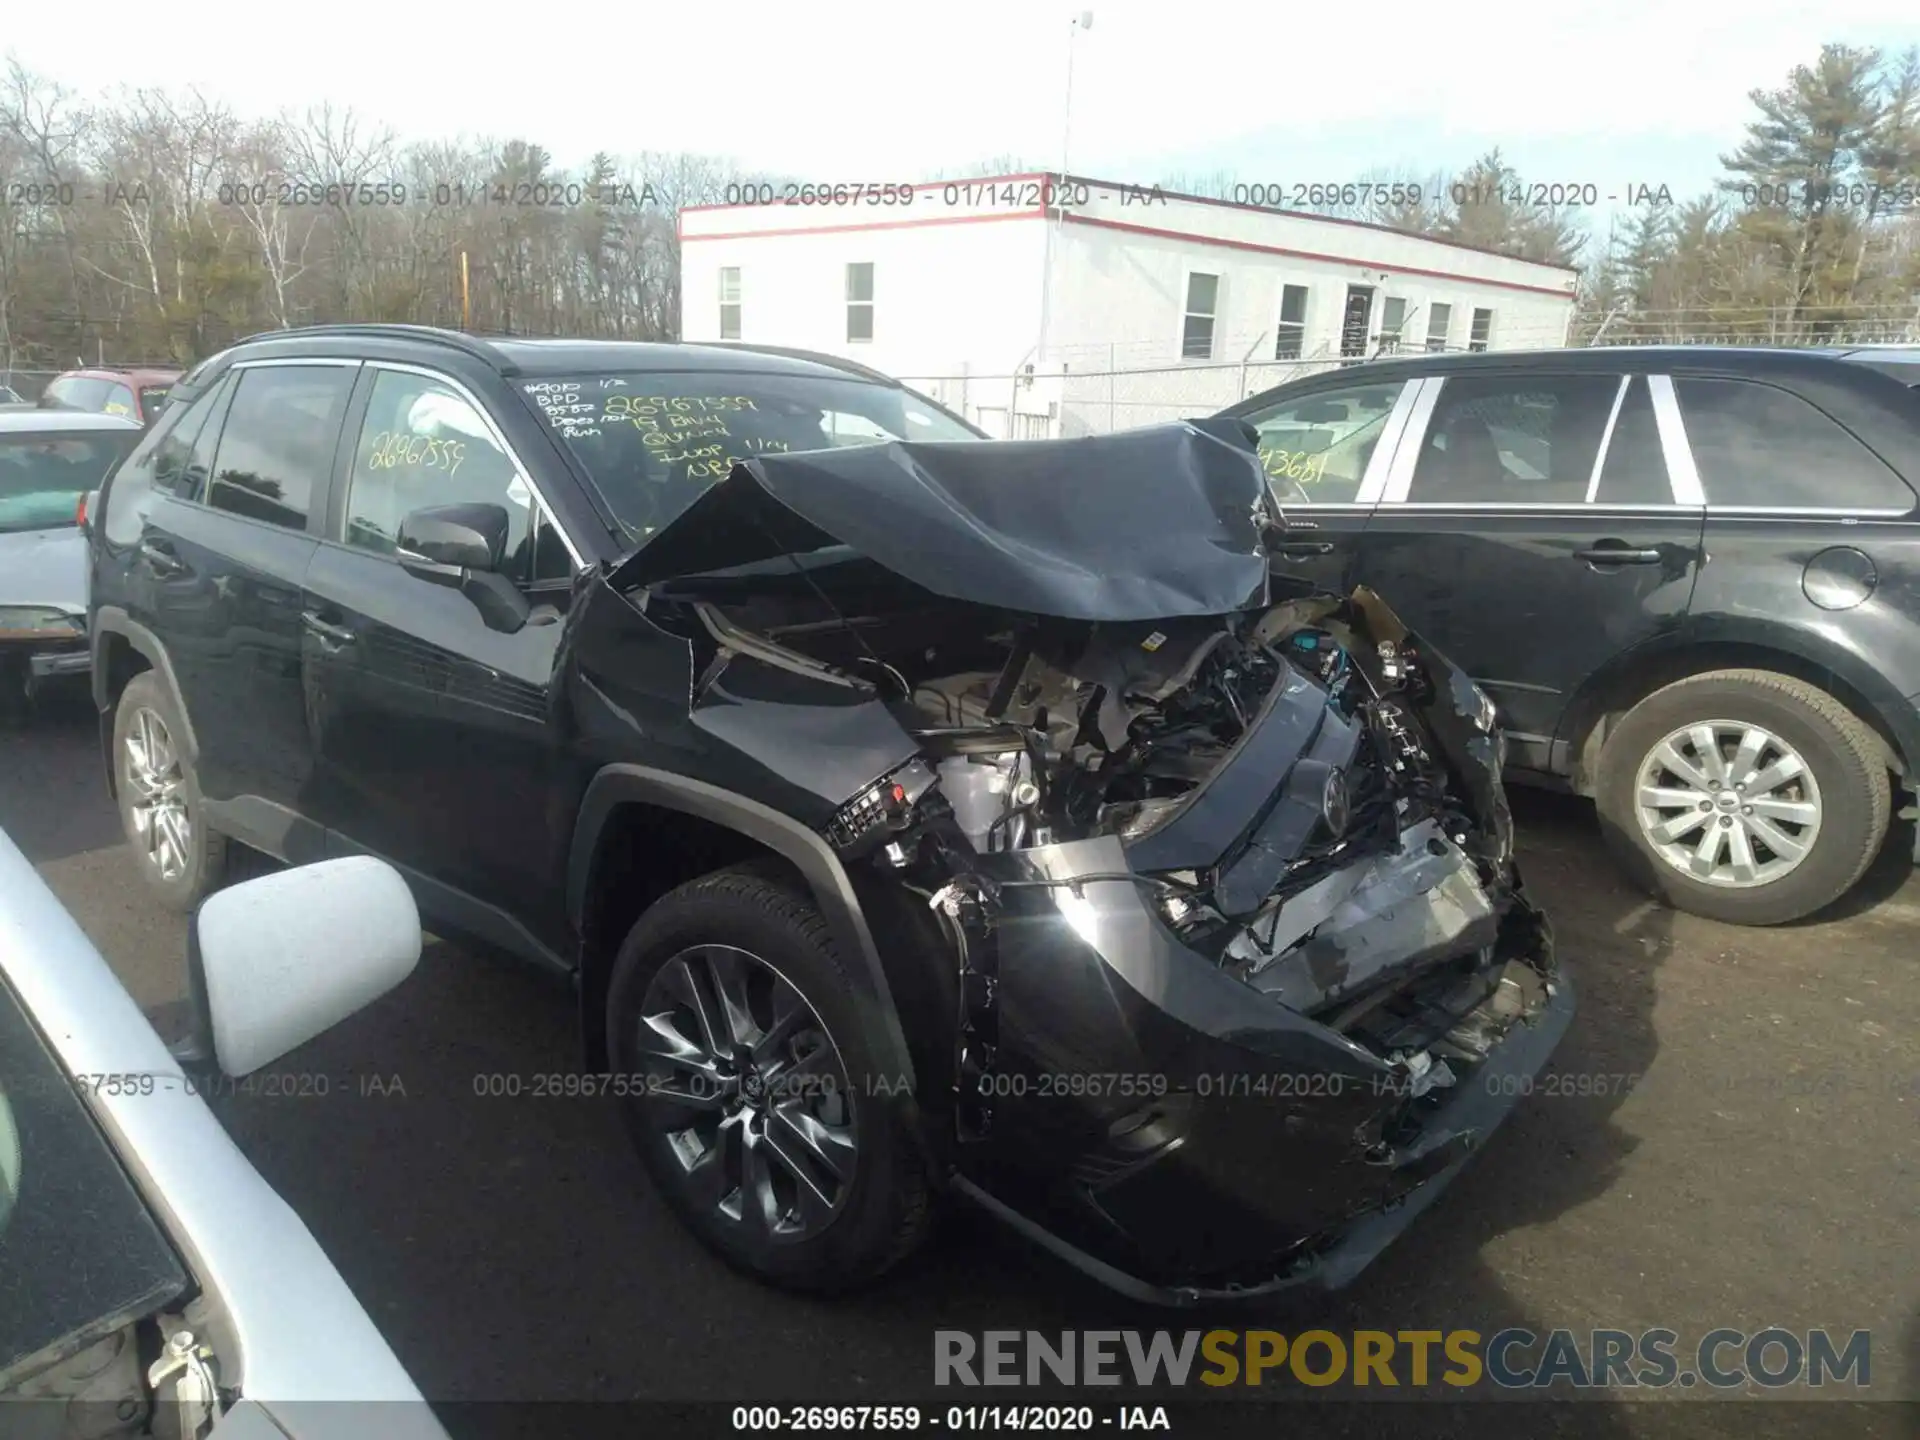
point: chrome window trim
(1400, 477)
(1570, 507)
(1606, 439)
(1816, 512)
(499, 438)
(1683, 477)
(1373, 484)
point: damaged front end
(1239, 967)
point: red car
(136, 394)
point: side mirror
(274, 961)
(464, 546)
(462, 537)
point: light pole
(1080, 22)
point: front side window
(730, 302)
(652, 442)
(1756, 444)
(1196, 330)
(153, 399)
(1316, 448)
(43, 474)
(422, 444)
(1290, 335)
(277, 444)
(1514, 440)
(860, 301)
(1439, 322)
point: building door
(1358, 320)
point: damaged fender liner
(1461, 1126)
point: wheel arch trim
(1887, 708)
(113, 620)
(826, 878)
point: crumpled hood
(1149, 524)
(44, 567)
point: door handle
(333, 636)
(160, 556)
(1619, 555)
(1304, 548)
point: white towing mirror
(273, 962)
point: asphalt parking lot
(1740, 1154)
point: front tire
(1744, 795)
(158, 793)
(753, 1095)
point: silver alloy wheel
(1728, 803)
(156, 795)
(749, 1092)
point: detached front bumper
(1182, 1137)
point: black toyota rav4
(914, 814)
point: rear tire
(784, 1104)
(1781, 815)
(158, 792)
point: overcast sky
(1632, 91)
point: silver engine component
(1388, 912)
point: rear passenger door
(1531, 529)
(1326, 454)
(218, 565)
(434, 734)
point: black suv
(1690, 577)
(913, 813)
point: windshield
(43, 476)
(653, 442)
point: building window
(1290, 335)
(1482, 332)
(860, 301)
(729, 302)
(1439, 321)
(1196, 332)
(1393, 320)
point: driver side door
(435, 736)
(1327, 451)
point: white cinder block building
(1116, 306)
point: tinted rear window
(44, 474)
(1757, 444)
(277, 445)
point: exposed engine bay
(1287, 742)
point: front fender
(618, 784)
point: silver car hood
(44, 567)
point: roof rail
(433, 334)
(852, 367)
